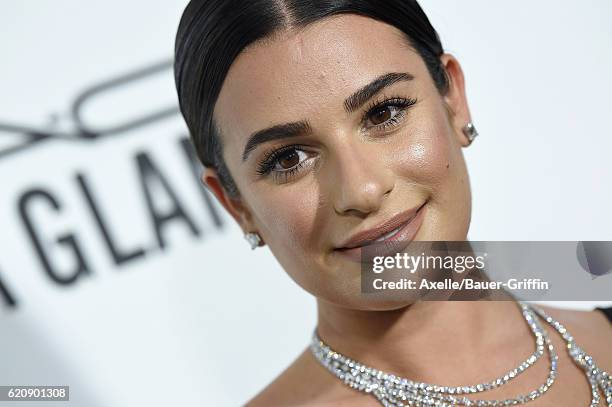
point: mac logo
(77, 129)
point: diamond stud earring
(470, 132)
(253, 238)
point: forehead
(299, 73)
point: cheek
(287, 217)
(290, 223)
(425, 154)
(429, 161)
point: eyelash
(267, 164)
(399, 102)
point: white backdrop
(175, 323)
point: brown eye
(286, 162)
(381, 115)
(289, 160)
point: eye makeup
(383, 114)
(388, 104)
(272, 158)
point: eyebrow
(351, 104)
(359, 98)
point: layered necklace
(392, 390)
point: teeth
(393, 232)
(388, 235)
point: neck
(427, 340)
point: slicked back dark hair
(212, 33)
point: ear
(234, 206)
(455, 99)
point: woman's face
(349, 161)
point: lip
(409, 222)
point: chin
(384, 305)
(368, 302)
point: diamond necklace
(396, 391)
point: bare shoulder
(305, 383)
(591, 330)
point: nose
(360, 181)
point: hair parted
(212, 33)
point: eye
(387, 113)
(284, 162)
(289, 159)
(383, 114)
